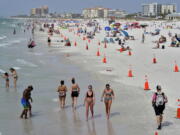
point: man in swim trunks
(25, 102)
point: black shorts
(159, 109)
(74, 94)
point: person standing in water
(89, 101)
(74, 93)
(6, 77)
(14, 32)
(108, 95)
(14, 75)
(26, 103)
(62, 89)
(30, 89)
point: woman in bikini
(89, 101)
(108, 95)
(62, 89)
(14, 75)
(74, 93)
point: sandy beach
(131, 114)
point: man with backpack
(159, 100)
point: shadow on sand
(114, 114)
(167, 123)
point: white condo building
(155, 9)
(99, 12)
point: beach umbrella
(115, 29)
(125, 33)
(143, 25)
(107, 28)
(157, 30)
(117, 24)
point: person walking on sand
(108, 95)
(159, 100)
(62, 89)
(74, 93)
(6, 77)
(14, 75)
(143, 38)
(89, 101)
(49, 41)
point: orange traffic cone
(87, 47)
(154, 59)
(178, 109)
(98, 53)
(129, 53)
(105, 46)
(146, 84)
(121, 49)
(89, 41)
(176, 68)
(75, 44)
(130, 72)
(156, 133)
(104, 59)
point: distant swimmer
(49, 41)
(89, 101)
(159, 100)
(62, 89)
(14, 32)
(6, 77)
(14, 75)
(108, 95)
(31, 44)
(74, 93)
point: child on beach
(6, 77)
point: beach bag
(160, 99)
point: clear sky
(14, 7)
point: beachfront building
(155, 9)
(97, 12)
(116, 13)
(174, 16)
(44, 10)
(40, 12)
(168, 9)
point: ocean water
(43, 69)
